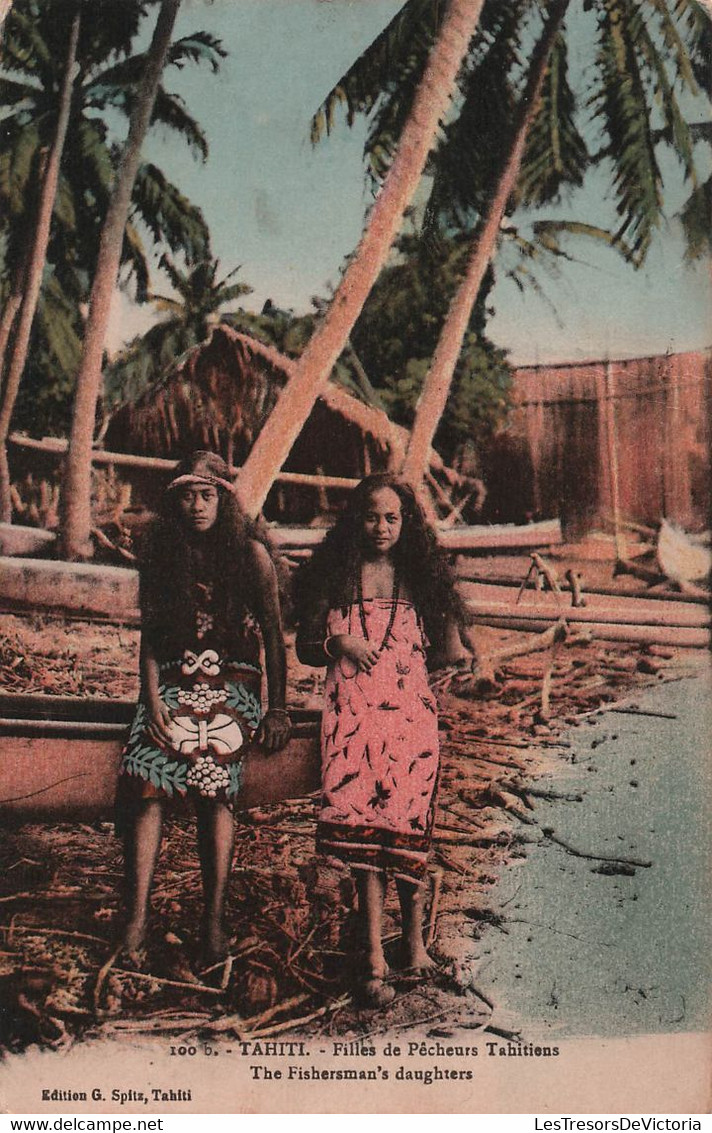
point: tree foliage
(643, 58)
(398, 330)
(199, 297)
(31, 56)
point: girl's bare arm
(159, 719)
(275, 728)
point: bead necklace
(394, 608)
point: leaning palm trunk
(33, 276)
(431, 103)
(436, 389)
(76, 489)
(7, 319)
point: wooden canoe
(59, 758)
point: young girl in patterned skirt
(375, 604)
(207, 582)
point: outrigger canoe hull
(59, 758)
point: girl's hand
(159, 723)
(275, 729)
(363, 653)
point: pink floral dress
(379, 747)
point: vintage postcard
(355, 483)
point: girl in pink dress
(376, 605)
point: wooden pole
(612, 443)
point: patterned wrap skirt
(215, 711)
(380, 753)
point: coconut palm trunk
(9, 314)
(76, 488)
(34, 270)
(296, 400)
(436, 389)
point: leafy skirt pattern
(215, 710)
(380, 758)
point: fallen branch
(175, 1024)
(291, 1024)
(101, 977)
(643, 712)
(437, 875)
(549, 833)
(40, 930)
(183, 984)
(238, 1024)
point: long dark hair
(421, 565)
(170, 562)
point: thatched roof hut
(218, 396)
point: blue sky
(289, 214)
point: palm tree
(31, 56)
(625, 44)
(76, 496)
(429, 106)
(436, 389)
(473, 168)
(199, 300)
(36, 261)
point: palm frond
(133, 257)
(556, 154)
(468, 161)
(64, 210)
(235, 291)
(23, 47)
(111, 85)
(165, 303)
(179, 280)
(695, 217)
(170, 110)
(698, 27)
(18, 165)
(549, 232)
(675, 129)
(114, 84)
(676, 44)
(12, 91)
(199, 47)
(169, 216)
(380, 68)
(620, 106)
(57, 320)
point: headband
(207, 481)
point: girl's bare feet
(216, 943)
(134, 936)
(414, 956)
(372, 988)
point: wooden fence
(576, 429)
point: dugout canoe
(59, 758)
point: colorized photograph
(355, 556)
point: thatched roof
(225, 388)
